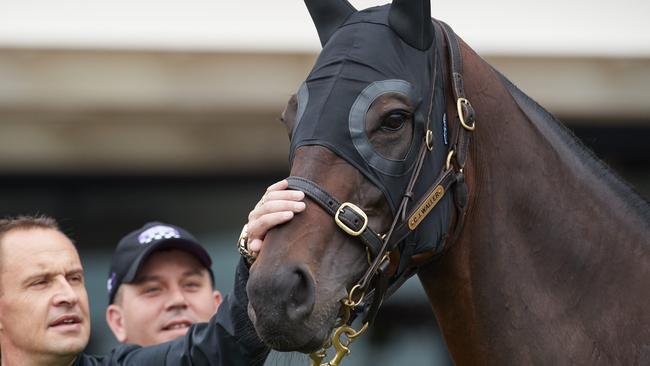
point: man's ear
(217, 299)
(115, 320)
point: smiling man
(160, 283)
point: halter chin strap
(353, 221)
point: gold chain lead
(341, 345)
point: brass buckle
(461, 116)
(346, 228)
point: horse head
(369, 117)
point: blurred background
(114, 113)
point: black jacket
(228, 339)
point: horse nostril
(283, 297)
(301, 294)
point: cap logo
(157, 233)
(110, 283)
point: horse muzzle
(281, 307)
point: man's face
(172, 290)
(43, 301)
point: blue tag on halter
(444, 128)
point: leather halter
(352, 220)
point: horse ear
(328, 15)
(411, 20)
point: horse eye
(395, 120)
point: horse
(530, 249)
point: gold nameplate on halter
(426, 207)
(346, 228)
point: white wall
(503, 27)
(87, 83)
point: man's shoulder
(114, 358)
(90, 360)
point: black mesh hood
(362, 60)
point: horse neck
(551, 245)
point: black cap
(135, 248)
